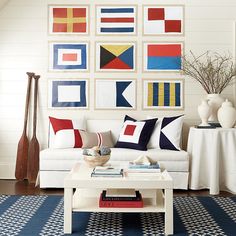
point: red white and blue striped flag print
(116, 20)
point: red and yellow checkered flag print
(69, 20)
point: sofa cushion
(64, 159)
(90, 140)
(135, 134)
(167, 133)
(66, 132)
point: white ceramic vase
(204, 111)
(215, 101)
(227, 115)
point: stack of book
(143, 169)
(121, 198)
(100, 171)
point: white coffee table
(79, 178)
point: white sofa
(56, 163)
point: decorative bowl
(93, 161)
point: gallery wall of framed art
(119, 51)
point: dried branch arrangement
(213, 71)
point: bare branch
(212, 70)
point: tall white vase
(204, 111)
(215, 101)
(227, 115)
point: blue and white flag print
(115, 94)
(68, 93)
(116, 20)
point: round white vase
(227, 115)
(215, 101)
(204, 111)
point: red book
(121, 204)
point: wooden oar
(23, 144)
(33, 159)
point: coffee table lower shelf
(91, 204)
(156, 192)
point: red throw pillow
(67, 132)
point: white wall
(24, 47)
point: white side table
(212, 159)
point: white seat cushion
(64, 159)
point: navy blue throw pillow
(135, 134)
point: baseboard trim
(7, 170)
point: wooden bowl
(94, 161)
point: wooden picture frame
(163, 94)
(163, 20)
(116, 19)
(68, 93)
(68, 19)
(162, 56)
(115, 57)
(68, 56)
(115, 94)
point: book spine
(128, 204)
(107, 176)
(144, 167)
(144, 170)
(137, 198)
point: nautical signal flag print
(68, 56)
(162, 56)
(68, 19)
(68, 93)
(163, 94)
(116, 20)
(116, 57)
(115, 94)
(163, 20)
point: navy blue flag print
(121, 94)
(68, 93)
(68, 57)
(116, 20)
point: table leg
(68, 194)
(169, 211)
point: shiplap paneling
(24, 47)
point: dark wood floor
(13, 187)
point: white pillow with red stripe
(96, 139)
(67, 132)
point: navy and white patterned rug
(43, 215)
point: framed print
(67, 56)
(162, 57)
(115, 94)
(115, 56)
(113, 20)
(163, 20)
(68, 94)
(163, 94)
(68, 19)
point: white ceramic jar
(204, 111)
(227, 115)
(215, 101)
